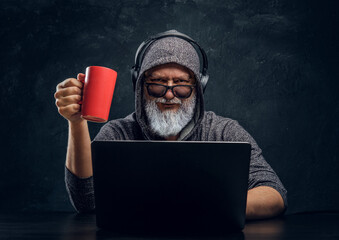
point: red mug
(97, 94)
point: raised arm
(78, 172)
(68, 96)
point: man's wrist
(78, 123)
(77, 127)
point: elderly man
(169, 105)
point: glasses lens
(182, 91)
(156, 90)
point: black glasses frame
(168, 87)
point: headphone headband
(139, 56)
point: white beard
(169, 122)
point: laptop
(170, 187)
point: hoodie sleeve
(80, 192)
(260, 172)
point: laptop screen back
(161, 187)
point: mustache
(163, 100)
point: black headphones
(139, 56)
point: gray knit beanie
(171, 50)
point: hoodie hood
(163, 51)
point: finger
(65, 101)
(70, 82)
(69, 110)
(65, 92)
(81, 77)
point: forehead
(170, 70)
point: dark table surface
(82, 226)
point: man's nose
(169, 94)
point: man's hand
(68, 96)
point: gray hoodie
(205, 126)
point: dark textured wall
(273, 67)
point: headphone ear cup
(134, 75)
(204, 80)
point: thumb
(81, 77)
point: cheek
(193, 94)
(190, 101)
(145, 94)
(148, 98)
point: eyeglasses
(158, 90)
